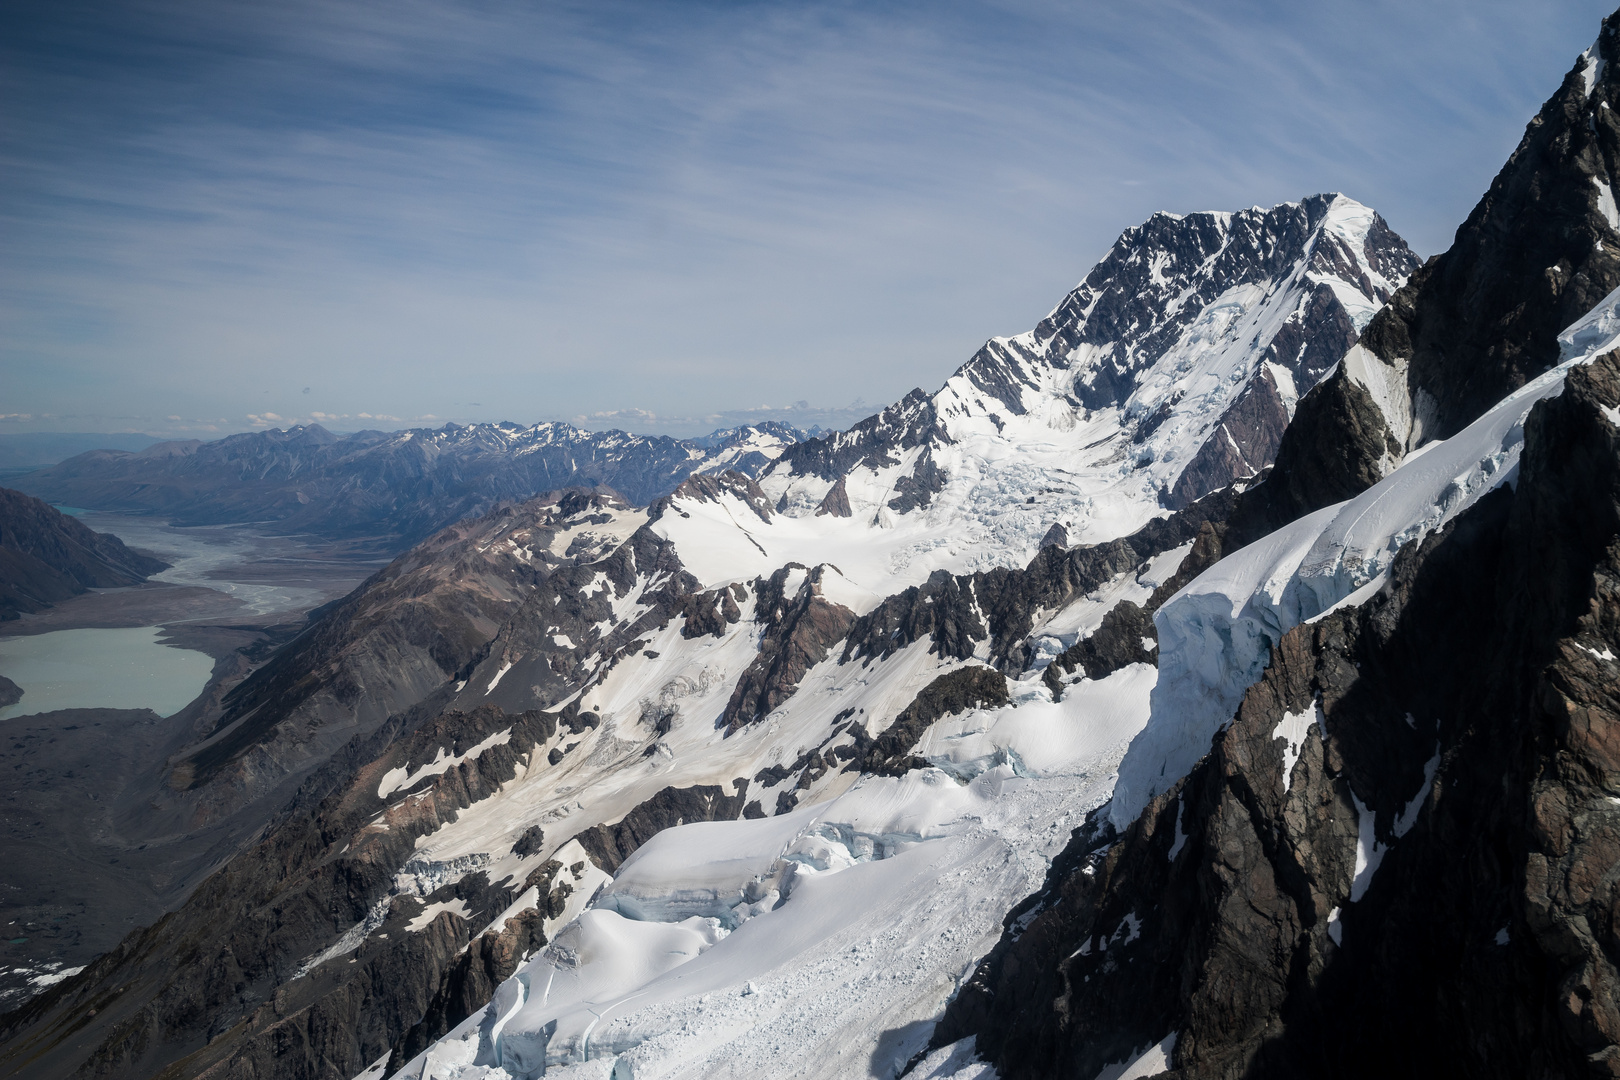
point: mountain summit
(1169, 372)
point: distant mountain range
(1171, 371)
(395, 487)
(32, 449)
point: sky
(667, 217)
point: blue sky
(665, 216)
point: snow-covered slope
(763, 951)
(744, 782)
(1216, 634)
(1168, 373)
(843, 892)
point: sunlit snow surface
(1215, 635)
(821, 942)
(825, 941)
(1015, 469)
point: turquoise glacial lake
(101, 669)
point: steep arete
(1168, 373)
(1367, 828)
(1539, 250)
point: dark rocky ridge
(610, 845)
(46, 556)
(799, 633)
(889, 754)
(1537, 252)
(956, 612)
(390, 488)
(1471, 707)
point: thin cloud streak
(571, 210)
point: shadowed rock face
(1398, 860)
(800, 631)
(46, 556)
(610, 845)
(965, 688)
(1539, 251)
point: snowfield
(824, 940)
(1018, 462)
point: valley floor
(82, 865)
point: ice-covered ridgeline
(729, 448)
(830, 936)
(723, 948)
(1169, 372)
(1215, 635)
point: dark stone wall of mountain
(1334, 450)
(946, 608)
(889, 754)
(1244, 443)
(800, 631)
(610, 845)
(1538, 252)
(1429, 889)
(389, 488)
(47, 556)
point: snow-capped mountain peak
(1169, 372)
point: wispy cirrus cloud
(520, 211)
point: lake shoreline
(89, 852)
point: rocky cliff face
(393, 488)
(46, 556)
(1394, 857)
(1405, 831)
(1537, 252)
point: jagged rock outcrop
(1539, 250)
(47, 556)
(1398, 859)
(799, 631)
(889, 754)
(610, 845)
(1125, 636)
